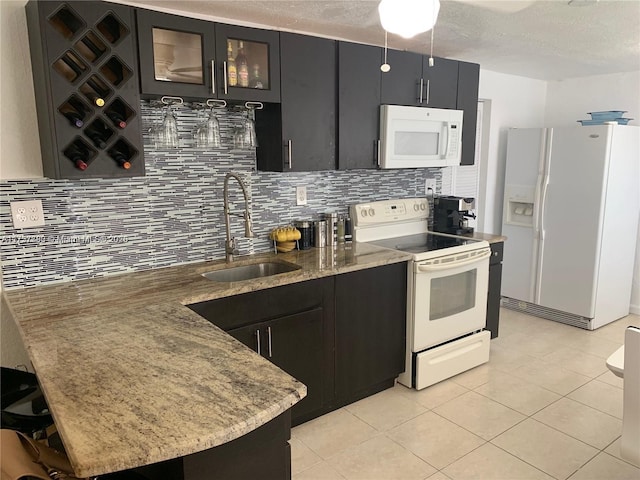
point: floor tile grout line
(524, 461)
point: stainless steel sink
(251, 271)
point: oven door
(448, 297)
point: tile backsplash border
(173, 215)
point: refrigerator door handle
(543, 201)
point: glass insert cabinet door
(193, 58)
(248, 63)
(176, 55)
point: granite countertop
(489, 237)
(133, 377)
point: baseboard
(635, 309)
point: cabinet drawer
(496, 253)
(247, 308)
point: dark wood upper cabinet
(177, 55)
(299, 134)
(359, 81)
(248, 63)
(196, 59)
(402, 84)
(468, 82)
(440, 83)
(85, 75)
(411, 81)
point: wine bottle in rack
(78, 154)
(98, 133)
(119, 113)
(95, 90)
(74, 117)
(121, 159)
(117, 119)
(74, 111)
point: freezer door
(523, 175)
(571, 219)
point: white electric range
(447, 289)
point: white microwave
(417, 137)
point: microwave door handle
(447, 128)
(447, 266)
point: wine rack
(83, 55)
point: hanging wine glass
(212, 130)
(250, 139)
(169, 129)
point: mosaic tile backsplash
(174, 214)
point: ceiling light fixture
(408, 18)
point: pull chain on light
(385, 67)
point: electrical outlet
(301, 195)
(27, 214)
(430, 183)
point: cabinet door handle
(289, 150)
(226, 86)
(421, 88)
(377, 146)
(213, 77)
(269, 340)
(428, 89)
(258, 342)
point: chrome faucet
(230, 244)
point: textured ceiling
(548, 40)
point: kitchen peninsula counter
(133, 377)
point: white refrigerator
(571, 209)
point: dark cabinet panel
(495, 283)
(299, 133)
(403, 83)
(359, 80)
(370, 329)
(411, 81)
(468, 82)
(440, 83)
(296, 344)
(292, 326)
(177, 55)
(83, 57)
(248, 62)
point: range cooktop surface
(423, 242)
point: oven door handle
(446, 266)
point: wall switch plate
(301, 195)
(430, 183)
(27, 214)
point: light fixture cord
(432, 29)
(385, 46)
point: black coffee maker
(451, 214)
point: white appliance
(571, 205)
(417, 137)
(447, 289)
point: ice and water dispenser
(519, 205)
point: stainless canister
(320, 233)
(331, 220)
(306, 233)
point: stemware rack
(86, 87)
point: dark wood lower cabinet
(495, 283)
(264, 453)
(370, 330)
(293, 327)
(295, 344)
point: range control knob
(422, 206)
(416, 207)
(363, 212)
(372, 212)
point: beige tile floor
(544, 407)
